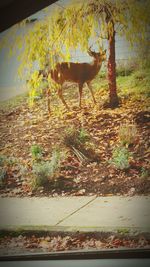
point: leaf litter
(24, 126)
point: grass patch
(135, 85)
(13, 102)
(36, 152)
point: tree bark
(114, 101)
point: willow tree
(102, 19)
(79, 25)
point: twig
(79, 154)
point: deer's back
(76, 72)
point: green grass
(13, 102)
(137, 84)
(123, 231)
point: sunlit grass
(135, 87)
(13, 102)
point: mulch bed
(22, 127)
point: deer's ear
(90, 52)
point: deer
(79, 73)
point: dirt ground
(22, 126)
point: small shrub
(74, 137)
(44, 171)
(41, 172)
(83, 135)
(80, 142)
(23, 170)
(140, 74)
(3, 176)
(11, 161)
(4, 160)
(128, 134)
(145, 173)
(34, 85)
(124, 72)
(125, 68)
(120, 158)
(55, 161)
(36, 152)
(70, 136)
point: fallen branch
(79, 155)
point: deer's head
(99, 57)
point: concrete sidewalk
(76, 214)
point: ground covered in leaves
(48, 242)
(85, 168)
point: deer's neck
(96, 65)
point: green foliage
(127, 134)
(70, 136)
(124, 70)
(120, 158)
(46, 170)
(136, 85)
(81, 144)
(11, 161)
(4, 160)
(41, 172)
(83, 135)
(145, 173)
(3, 176)
(141, 79)
(74, 136)
(123, 231)
(141, 75)
(23, 170)
(55, 161)
(36, 152)
(36, 84)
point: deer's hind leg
(62, 98)
(91, 90)
(80, 94)
(48, 92)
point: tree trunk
(114, 101)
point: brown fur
(79, 73)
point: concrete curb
(74, 229)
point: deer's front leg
(91, 90)
(80, 94)
(48, 92)
(62, 98)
